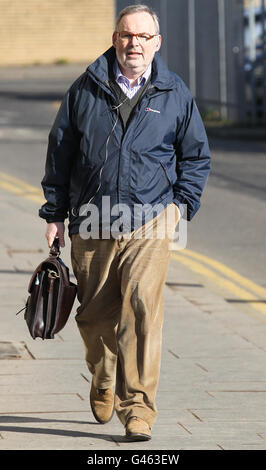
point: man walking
(128, 137)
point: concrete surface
(212, 389)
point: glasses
(142, 38)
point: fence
(255, 62)
(203, 42)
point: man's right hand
(55, 229)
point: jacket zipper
(150, 86)
(149, 93)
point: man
(128, 132)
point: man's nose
(134, 41)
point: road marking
(21, 188)
(188, 257)
(247, 283)
(227, 284)
(56, 104)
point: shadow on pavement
(56, 432)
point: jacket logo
(153, 110)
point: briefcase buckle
(52, 274)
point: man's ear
(158, 43)
(114, 39)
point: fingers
(55, 229)
(50, 238)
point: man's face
(135, 57)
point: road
(229, 227)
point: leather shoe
(102, 403)
(137, 429)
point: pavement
(212, 387)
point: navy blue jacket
(162, 157)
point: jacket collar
(101, 70)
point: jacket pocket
(167, 173)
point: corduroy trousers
(120, 317)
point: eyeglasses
(125, 36)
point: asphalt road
(229, 227)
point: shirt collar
(119, 77)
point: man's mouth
(133, 54)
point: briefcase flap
(55, 267)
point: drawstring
(75, 209)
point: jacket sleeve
(192, 157)
(63, 143)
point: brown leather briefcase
(51, 298)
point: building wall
(45, 31)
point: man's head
(135, 53)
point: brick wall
(44, 31)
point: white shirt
(124, 82)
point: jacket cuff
(52, 221)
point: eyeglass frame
(132, 35)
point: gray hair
(136, 9)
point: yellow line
(247, 283)
(19, 182)
(56, 104)
(21, 188)
(239, 292)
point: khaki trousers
(120, 290)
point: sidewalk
(212, 386)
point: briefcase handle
(55, 250)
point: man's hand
(55, 229)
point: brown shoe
(102, 403)
(137, 429)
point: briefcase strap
(55, 250)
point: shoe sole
(138, 437)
